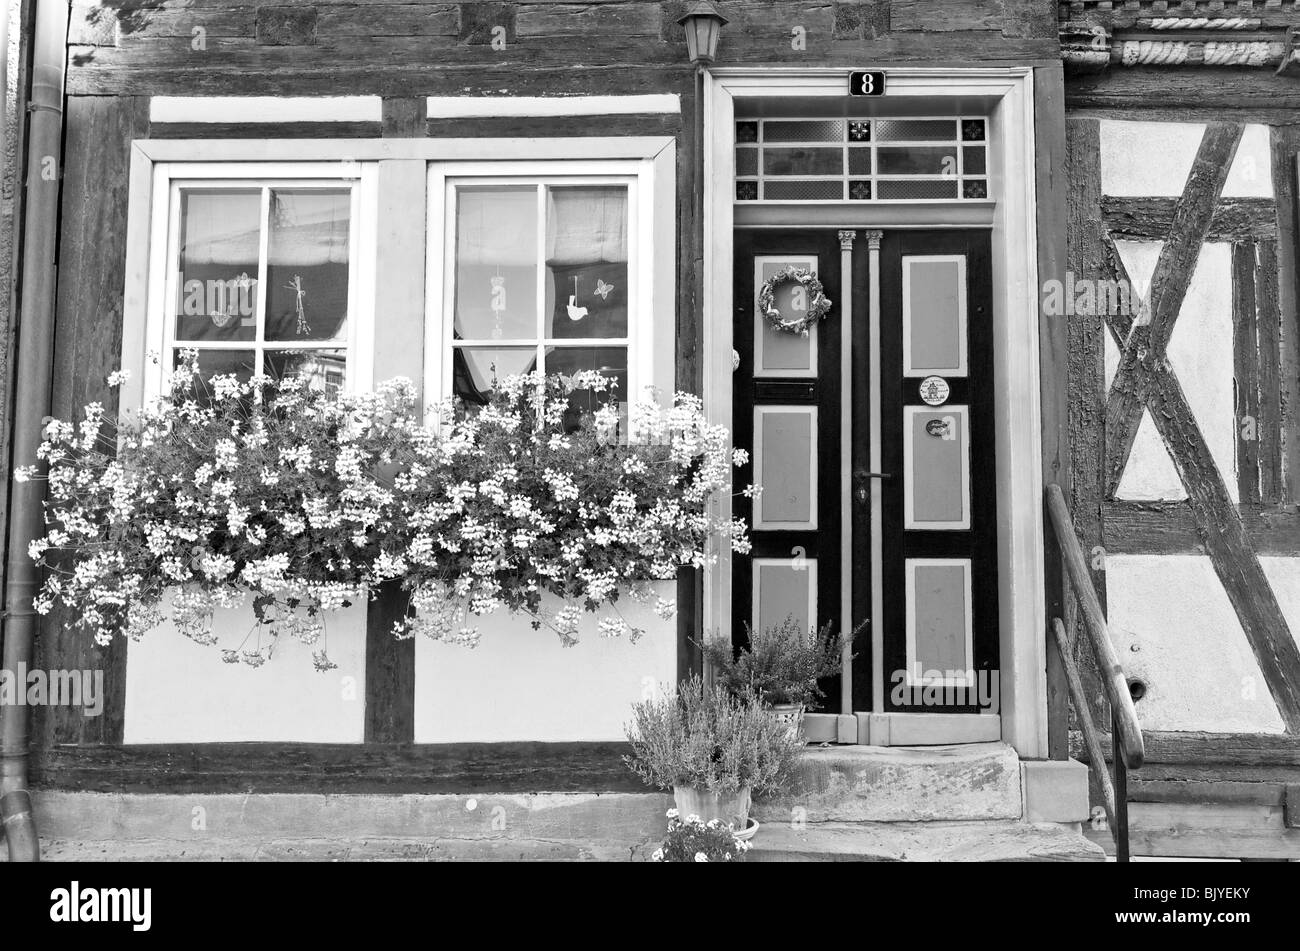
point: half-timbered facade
(1060, 249)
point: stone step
(971, 781)
(978, 841)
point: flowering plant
(694, 840)
(522, 500)
(782, 663)
(710, 739)
(307, 499)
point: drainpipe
(34, 372)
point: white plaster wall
(1284, 575)
(1190, 650)
(521, 684)
(178, 691)
(1152, 159)
(1200, 352)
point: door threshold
(902, 729)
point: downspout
(31, 405)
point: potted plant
(713, 749)
(781, 666)
(694, 840)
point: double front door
(872, 441)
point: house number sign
(867, 82)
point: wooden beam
(1148, 336)
(1086, 332)
(1284, 147)
(1225, 751)
(1226, 542)
(1150, 219)
(87, 347)
(1170, 528)
(1245, 357)
(1268, 324)
(338, 767)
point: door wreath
(818, 304)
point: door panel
(940, 623)
(786, 413)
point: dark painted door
(786, 413)
(939, 623)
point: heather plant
(305, 500)
(782, 663)
(710, 739)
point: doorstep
(902, 729)
(987, 841)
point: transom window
(921, 159)
(542, 275)
(262, 276)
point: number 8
(868, 84)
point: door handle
(862, 477)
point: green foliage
(782, 663)
(709, 738)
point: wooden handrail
(1094, 622)
(1091, 738)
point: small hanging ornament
(809, 297)
(498, 303)
(299, 293)
(575, 312)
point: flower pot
(791, 714)
(729, 807)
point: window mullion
(263, 267)
(541, 277)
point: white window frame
(644, 312)
(396, 279)
(168, 178)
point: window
(263, 272)
(542, 273)
(877, 159)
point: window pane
(307, 264)
(917, 160)
(218, 363)
(803, 161)
(496, 262)
(323, 369)
(219, 242)
(474, 370)
(611, 361)
(586, 261)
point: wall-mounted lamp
(703, 24)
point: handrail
(1091, 738)
(1127, 729)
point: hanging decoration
(576, 312)
(809, 297)
(300, 292)
(498, 303)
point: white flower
(701, 857)
(657, 855)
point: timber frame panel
(1104, 421)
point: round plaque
(934, 390)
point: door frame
(1018, 404)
